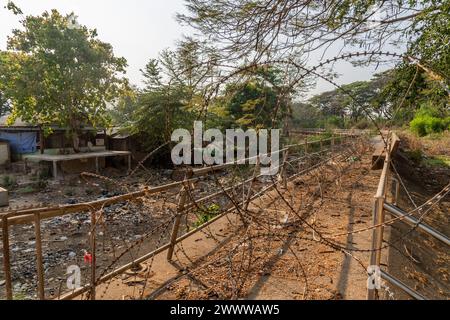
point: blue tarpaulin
(20, 142)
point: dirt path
(272, 258)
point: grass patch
(437, 161)
(20, 296)
(415, 155)
(26, 190)
(7, 182)
(206, 213)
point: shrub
(206, 213)
(363, 124)
(8, 182)
(26, 190)
(429, 120)
(428, 109)
(418, 127)
(332, 122)
(447, 123)
(415, 155)
(424, 125)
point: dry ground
(276, 256)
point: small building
(24, 138)
(121, 140)
(29, 143)
(21, 137)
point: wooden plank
(77, 156)
(394, 144)
(378, 158)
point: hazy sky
(137, 29)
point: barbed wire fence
(242, 199)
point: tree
(262, 31)
(7, 66)
(426, 81)
(305, 115)
(121, 113)
(59, 73)
(248, 28)
(355, 101)
(174, 95)
(260, 101)
(5, 107)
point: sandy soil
(275, 255)
(284, 261)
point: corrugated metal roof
(19, 124)
(118, 133)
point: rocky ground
(66, 240)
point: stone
(72, 201)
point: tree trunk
(76, 142)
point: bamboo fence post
(39, 260)
(93, 249)
(282, 175)
(176, 223)
(255, 174)
(6, 258)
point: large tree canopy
(260, 101)
(355, 100)
(264, 31)
(249, 27)
(5, 106)
(173, 96)
(58, 72)
(417, 84)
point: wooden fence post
(249, 194)
(177, 221)
(282, 176)
(6, 258)
(378, 220)
(39, 262)
(396, 191)
(93, 249)
(377, 241)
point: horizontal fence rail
(401, 285)
(380, 207)
(399, 213)
(378, 213)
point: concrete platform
(77, 156)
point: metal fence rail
(399, 213)
(386, 276)
(380, 207)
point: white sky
(138, 30)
